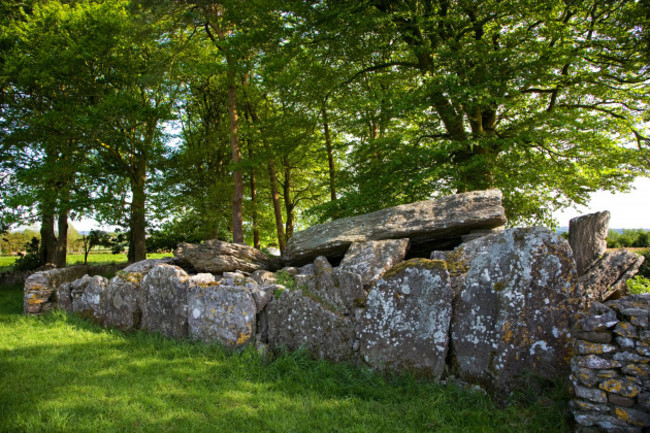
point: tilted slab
(421, 222)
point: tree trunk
(330, 154)
(256, 230)
(48, 238)
(237, 200)
(137, 238)
(288, 205)
(62, 244)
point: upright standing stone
(588, 239)
(405, 327)
(423, 223)
(164, 301)
(373, 258)
(514, 309)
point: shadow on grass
(60, 373)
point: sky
(628, 210)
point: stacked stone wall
(611, 367)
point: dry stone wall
(611, 369)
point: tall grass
(60, 373)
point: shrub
(644, 270)
(32, 259)
(638, 285)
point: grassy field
(76, 259)
(60, 373)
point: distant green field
(75, 259)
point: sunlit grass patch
(61, 373)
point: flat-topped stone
(422, 222)
(216, 256)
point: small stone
(619, 400)
(600, 420)
(638, 316)
(643, 347)
(588, 406)
(586, 376)
(598, 323)
(637, 370)
(632, 416)
(596, 362)
(607, 374)
(630, 357)
(621, 387)
(590, 394)
(586, 348)
(627, 343)
(603, 337)
(625, 329)
(643, 399)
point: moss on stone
(456, 264)
(412, 263)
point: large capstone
(217, 256)
(588, 239)
(513, 310)
(425, 223)
(405, 327)
(373, 258)
(163, 301)
(220, 311)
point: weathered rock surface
(163, 301)
(86, 295)
(217, 256)
(406, 323)
(373, 258)
(588, 239)
(263, 278)
(422, 222)
(297, 318)
(607, 278)
(514, 308)
(221, 312)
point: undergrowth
(61, 373)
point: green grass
(77, 259)
(60, 373)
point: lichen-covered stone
(423, 222)
(220, 312)
(588, 239)
(591, 394)
(619, 400)
(601, 420)
(625, 329)
(87, 295)
(263, 277)
(217, 256)
(607, 278)
(121, 306)
(587, 376)
(373, 258)
(406, 322)
(513, 312)
(632, 416)
(582, 405)
(600, 318)
(621, 387)
(163, 301)
(595, 362)
(636, 316)
(298, 319)
(144, 266)
(601, 337)
(587, 348)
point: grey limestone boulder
(517, 298)
(373, 258)
(422, 222)
(163, 301)
(405, 326)
(588, 239)
(607, 278)
(87, 297)
(220, 311)
(217, 256)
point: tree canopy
(247, 121)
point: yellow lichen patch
(456, 263)
(243, 337)
(624, 416)
(616, 386)
(34, 301)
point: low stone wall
(611, 369)
(40, 288)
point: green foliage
(628, 238)
(644, 270)
(32, 258)
(285, 279)
(104, 380)
(638, 285)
